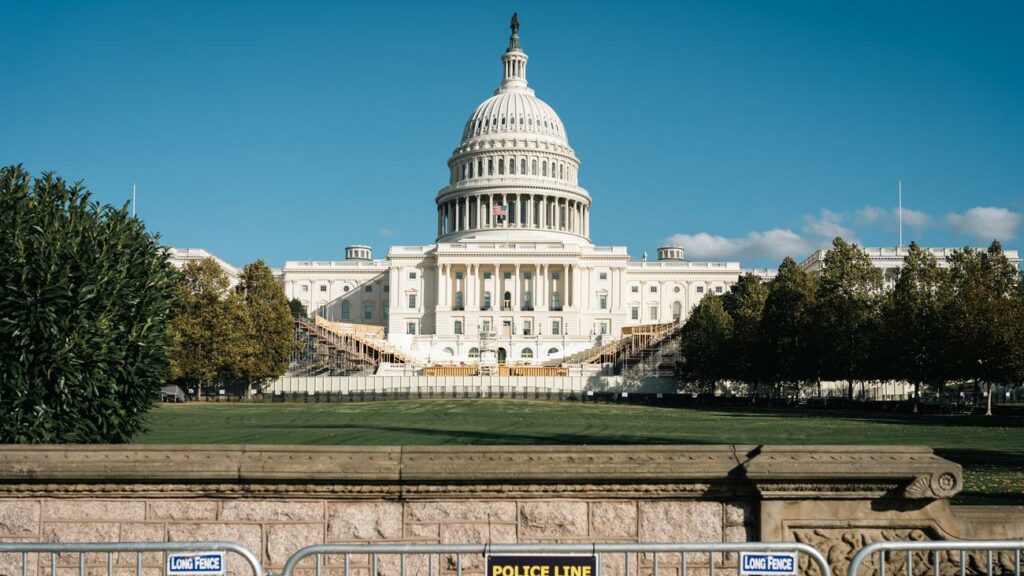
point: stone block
(738, 513)
(181, 510)
(423, 531)
(284, 539)
(676, 521)
(271, 511)
(248, 535)
(613, 519)
(19, 518)
(123, 510)
(80, 532)
(474, 534)
(477, 511)
(354, 521)
(141, 532)
(553, 519)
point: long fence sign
(767, 563)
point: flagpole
(901, 211)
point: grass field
(991, 449)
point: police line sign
(542, 565)
(767, 564)
(192, 564)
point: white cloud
(889, 218)
(986, 223)
(386, 231)
(829, 225)
(771, 244)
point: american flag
(500, 210)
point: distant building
(890, 260)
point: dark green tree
(270, 324)
(704, 344)
(912, 343)
(85, 297)
(296, 308)
(788, 326)
(978, 314)
(849, 293)
(745, 305)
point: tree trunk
(988, 409)
(917, 397)
(849, 390)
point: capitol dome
(513, 175)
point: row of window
(323, 288)
(677, 311)
(346, 311)
(490, 167)
(524, 353)
(677, 289)
(494, 122)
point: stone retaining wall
(277, 499)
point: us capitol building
(512, 276)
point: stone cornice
(716, 471)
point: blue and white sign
(196, 564)
(767, 563)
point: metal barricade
(680, 556)
(56, 549)
(940, 558)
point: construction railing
(357, 343)
(90, 557)
(940, 557)
(634, 340)
(442, 370)
(433, 559)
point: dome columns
(526, 211)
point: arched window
(552, 351)
(470, 169)
(511, 165)
(490, 166)
(544, 168)
(346, 309)
(561, 171)
(449, 351)
(479, 167)
(487, 300)
(474, 352)
(458, 300)
(501, 165)
(507, 305)
(677, 311)
(556, 300)
(526, 353)
(522, 166)
(533, 167)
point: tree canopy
(86, 294)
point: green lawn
(991, 449)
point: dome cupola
(514, 174)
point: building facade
(512, 275)
(512, 262)
(890, 260)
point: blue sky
(743, 130)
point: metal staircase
(637, 344)
(339, 349)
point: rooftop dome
(516, 113)
(513, 176)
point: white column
(576, 286)
(517, 300)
